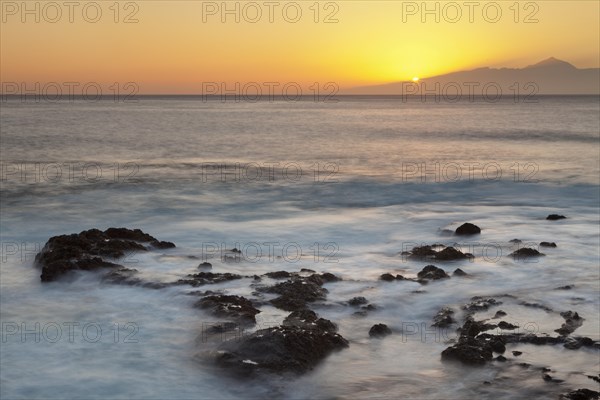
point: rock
(328, 277)
(499, 314)
(501, 358)
(205, 278)
(479, 303)
(221, 327)
(450, 254)
(278, 274)
(547, 244)
(285, 348)
(517, 353)
(467, 229)
(87, 250)
(307, 270)
(295, 293)
(205, 265)
(443, 318)
(555, 217)
(506, 326)
(387, 277)
(470, 354)
(515, 241)
(432, 272)
(572, 322)
(566, 287)
(236, 307)
(357, 301)
(459, 272)
(379, 330)
(526, 252)
(308, 319)
(581, 394)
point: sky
(181, 46)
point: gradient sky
(171, 50)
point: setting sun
(415, 79)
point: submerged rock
(87, 250)
(581, 394)
(379, 330)
(357, 301)
(547, 244)
(555, 217)
(235, 307)
(467, 229)
(286, 348)
(204, 278)
(572, 322)
(526, 252)
(459, 272)
(205, 265)
(443, 318)
(429, 253)
(432, 272)
(297, 292)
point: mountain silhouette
(550, 76)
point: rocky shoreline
(303, 340)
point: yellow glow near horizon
(415, 79)
(176, 45)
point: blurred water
(351, 184)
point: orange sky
(176, 45)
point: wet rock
(581, 394)
(499, 314)
(228, 306)
(566, 287)
(547, 244)
(285, 348)
(387, 277)
(595, 378)
(555, 217)
(443, 318)
(307, 270)
(479, 303)
(506, 326)
(357, 301)
(517, 353)
(451, 254)
(329, 277)
(459, 272)
(308, 319)
(500, 358)
(467, 229)
(205, 265)
(87, 250)
(579, 342)
(515, 241)
(526, 252)
(205, 278)
(431, 272)
(294, 294)
(278, 274)
(536, 305)
(379, 330)
(572, 322)
(468, 353)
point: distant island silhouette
(550, 76)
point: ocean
(342, 187)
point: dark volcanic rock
(286, 348)
(467, 229)
(278, 274)
(429, 253)
(432, 272)
(459, 272)
(357, 301)
(547, 244)
(204, 278)
(295, 293)
(515, 241)
(87, 250)
(308, 319)
(387, 277)
(506, 326)
(499, 314)
(581, 394)
(379, 330)
(205, 265)
(554, 217)
(525, 252)
(236, 307)
(572, 322)
(479, 303)
(444, 318)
